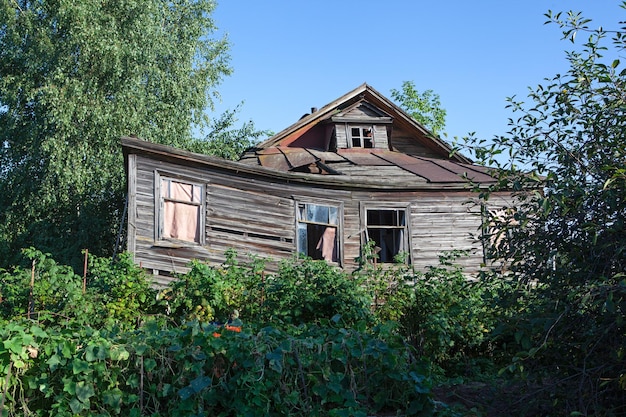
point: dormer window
(362, 136)
(362, 126)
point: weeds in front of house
(308, 340)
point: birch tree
(77, 75)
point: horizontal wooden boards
(257, 216)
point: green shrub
(324, 371)
(389, 286)
(449, 318)
(114, 292)
(306, 291)
(120, 290)
(211, 294)
(55, 288)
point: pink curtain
(327, 244)
(180, 220)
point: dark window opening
(388, 229)
(368, 140)
(356, 137)
(332, 146)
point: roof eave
(139, 146)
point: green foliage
(565, 242)
(389, 286)
(209, 294)
(120, 291)
(55, 288)
(74, 78)
(190, 371)
(115, 293)
(448, 319)
(301, 291)
(306, 291)
(106, 353)
(443, 314)
(424, 107)
(227, 142)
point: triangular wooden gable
(394, 128)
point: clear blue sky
(291, 55)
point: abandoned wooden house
(357, 169)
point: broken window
(318, 234)
(388, 229)
(181, 210)
(362, 136)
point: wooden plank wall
(257, 217)
(405, 142)
(380, 137)
(341, 134)
(250, 221)
(444, 223)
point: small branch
(301, 375)
(6, 388)
(85, 271)
(31, 301)
(141, 386)
(545, 339)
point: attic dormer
(361, 125)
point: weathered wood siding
(341, 134)
(438, 222)
(245, 217)
(444, 223)
(256, 216)
(380, 137)
(404, 142)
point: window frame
(362, 137)
(388, 206)
(160, 200)
(298, 201)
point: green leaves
(424, 107)
(567, 243)
(74, 78)
(196, 386)
(299, 371)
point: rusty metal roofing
(423, 167)
(298, 157)
(362, 157)
(276, 161)
(475, 173)
(330, 170)
(364, 163)
(285, 159)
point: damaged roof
(366, 164)
(305, 147)
(370, 97)
(344, 169)
(408, 156)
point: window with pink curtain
(317, 231)
(181, 210)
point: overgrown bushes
(113, 293)
(325, 370)
(117, 347)
(315, 340)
